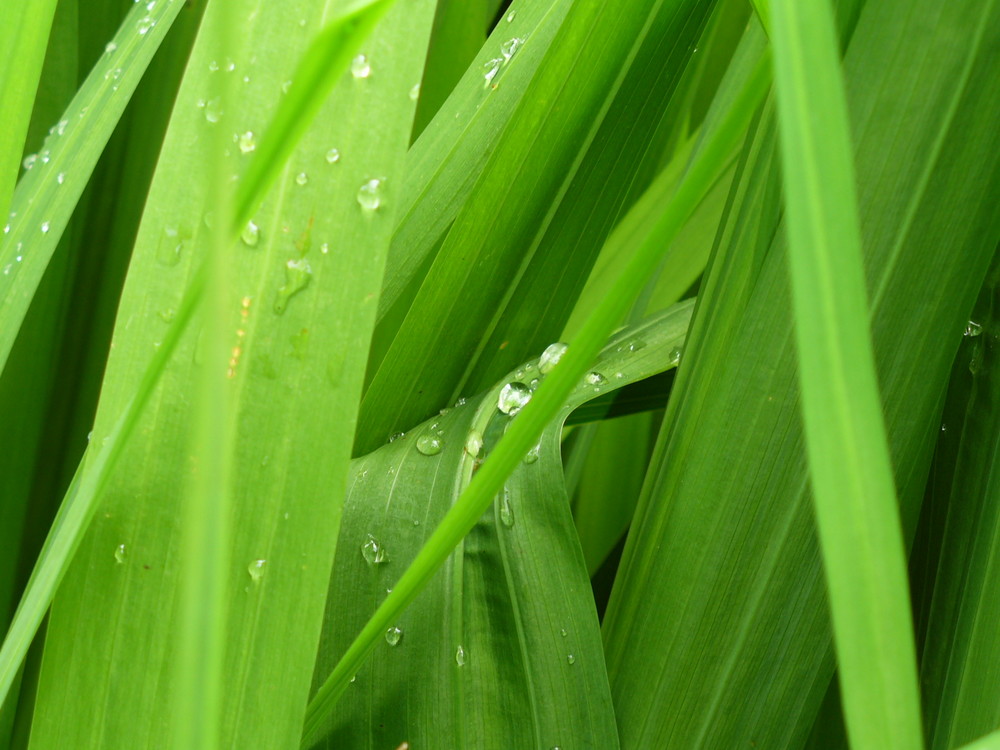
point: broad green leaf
(989, 742)
(722, 556)
(506, 256)
(960, 658)
(58, 173)
(548, 399)
(292, 332)
(24, 35)
(502, 648)
(849, 466)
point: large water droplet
(213, 110)
(972, 329)
(393, 635)
(429, 445)
(474, 443)
(595, 378)
(491, 68)
(370, 195)
(360, 67)
(250, 234)
(509, 48)
(297, 276)
(551, 356)
(256, 570)
(513, 397)
(332, 156)
(506, 512)
(460, 656)
(531, 456)
(373, 551)
(120, 554)
(169, 250)
(247, 142)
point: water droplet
(6, 229)
(360, 67)
(29, 161)
(511, 16)
(213, 66)
(393, 635)
(213, 110)
(332, 156)
(324, 248)
(551, 356)
(531, 456)
(460, 656)
(250, 234)
(973, 328)
(513, 397)
(631, 346)
(396, 436)
(595, 378)
(562, 632)
(61, 178)
(286, 87)
(509, 48)
(474, 443)
(370, 195)
(373, 552)
(415, 92)
(167, 314)
(144, 25)
(256, 570)
(120, 554)
(506, 512)
(534, 383)
(45, 227)
(675, 355)
(570, 659)
(429, 445)
(297, 276)
(491, 69)
(110, 47)
(301, 178)
(247, 142)
(460, 402)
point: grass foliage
(289, 460)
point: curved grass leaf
(503, 647)
(48, 192)
(849, 465)
(550, 396)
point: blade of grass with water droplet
(736, 580)
(849, 466)
(514, 596)
(48, 192)
(24, 35)
(552, 184)
(324, 388)
(546, 402)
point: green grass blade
(989, 742)
(329, 385)
(24, 35)
(548, 399)
(849, 464)
(735, 582)
(49, 191)
(554, 690)
(526, 199)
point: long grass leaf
(849, 465)
(49, 191)
(547, 400)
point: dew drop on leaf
(374, 552)
(551, 356)
(120, 554)
(393, 635)
(360, 67)
(256, 570)
(429, 445)
(513, 397)
(370, 195)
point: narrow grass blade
(722, 555)
(280, 513)
(547, 401)
(24, 36)
(849, 465)
(518, 660)
(49, 191)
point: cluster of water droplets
(492, 67)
